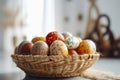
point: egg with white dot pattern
(58, 48)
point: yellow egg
(38, 39)
(58, 48)
(86, 47)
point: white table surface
(108, 65)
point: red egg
(52, 36)
(72, 52)
(16, 50)
(24, 48)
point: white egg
(72, 42)
(67, 34)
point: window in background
(35, 18)
(40, 17)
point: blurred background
(89, 19)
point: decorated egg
(80, 40)
(72, 42)
(67, 34)
(16, 50)
(24, 48)
(86, 47)
(38, 39)
(72, 52)
(58, 48)
(52, 36)
(40, 48)
(93, 44)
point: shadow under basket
(55, 66)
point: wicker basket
(54, 66)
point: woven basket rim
(33, 64)
(55, 58)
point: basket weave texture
(54, 66)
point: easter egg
(40, 48)
(86, 47)
(80, 40)
(67, 34)
(72, 42)
(72, 52)
(58, 48)
(24, 48)
(16, 50)
(35, 39)
(52, 36)
(93, 44)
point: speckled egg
(58, 48)
(86, 47)
(72, 42)
(35, 39)
(67, 34)
(40, 48)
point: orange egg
(38, 39)
(86, 47)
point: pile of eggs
(56, 43)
